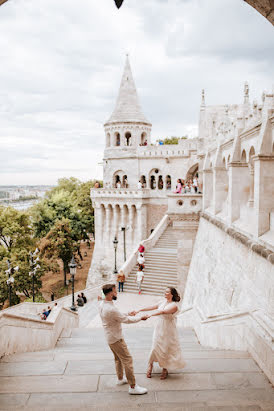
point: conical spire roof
(127, 107)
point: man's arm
(124, 318)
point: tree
(16, 241)
(59, 243)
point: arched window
(152, 182)
(160, 183)
(108, 140)
(128, 139)
(168, 182)
(125, 182)
(243, 157)
(143, 139)
(117, 139)
(192, 172)
(143, 181)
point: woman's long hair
(175, 295)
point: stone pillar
(207, 188)
(131, 221)
(107, 225)
(141, 222)
(263, 192)
(238, 175)
(98, 219)
(219, 188)
(251, 192)
(115, 221)
(123, 216)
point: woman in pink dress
(166, 348)
(178, 186)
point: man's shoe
(122, 382)
(137, 390)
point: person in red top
(141, 249)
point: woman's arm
(170, 310)
(154, 307)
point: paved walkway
(79, 374)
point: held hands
(133, 313)
(145, 317)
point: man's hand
(144, 317)
(133, 313)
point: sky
(62, 61)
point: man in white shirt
(111, 319)
(140, 277)
(139, 185)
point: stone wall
(229, 293)
(230, 275)
(154, 215)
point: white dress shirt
(111, 319)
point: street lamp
(10, 280)
(115, 245)
(124, 236)
(33, 268)
(72, 270)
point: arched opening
(224, 163)
(168, 182)
(143, 181)
(160, 183)
(117, 139)
(192, 172)
(243, 157)
(153, 178)
(152, 182)
(125, 182)
(143, 139)
(108, 140)
(128, 139)
(118, 178)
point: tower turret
(127, 126)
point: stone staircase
(79, 373)
(160, 266)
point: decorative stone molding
(244, 239)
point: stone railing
(130, 263)
(22, 334)
(119, 192)
(184, 203)
(22, 330)
(251, 331)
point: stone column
(263, 192)
(141, 222)
(207, 188)
(237, 174)
(107, 225)
(131, 221)
(116, 211)
(219, 188)
(251, 192)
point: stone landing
(79, 374)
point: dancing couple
(166, 348)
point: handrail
(148, 244)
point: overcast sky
(62, 60)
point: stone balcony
(184, 203)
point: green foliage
(59, 243)
(16, 242)
(172, 140)
(38, 299)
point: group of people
(187, 186)
(144, 143)
(118, 183)
(139, 274)
(81, 300)
(165, 351)
(46, 312)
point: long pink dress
(166, 348)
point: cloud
(62, 61)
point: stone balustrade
(148, 244)
(119, 193)
(184, 203)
